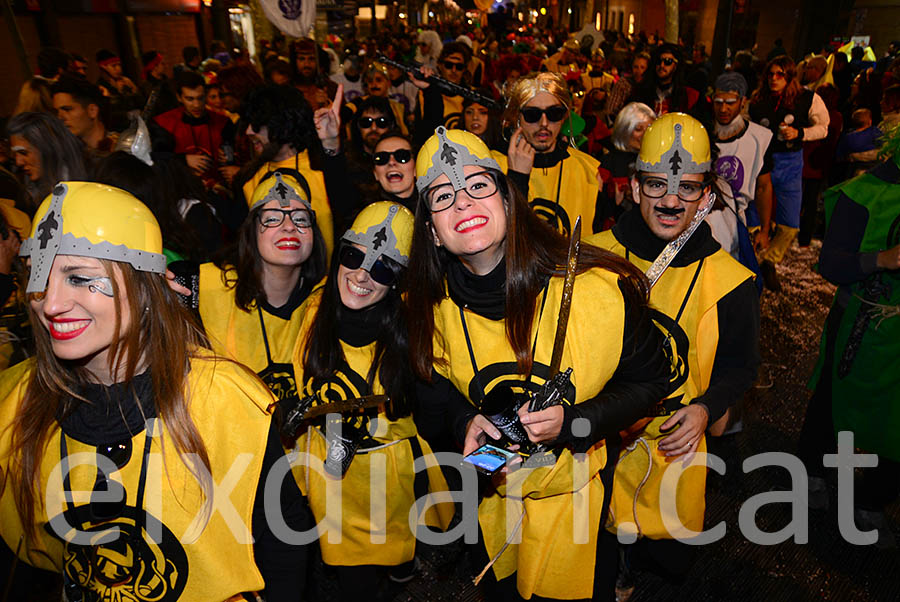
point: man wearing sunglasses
(663, 87)
(706, 304)
(436, 108)
(563, 182)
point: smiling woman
(354, 344)
(119, 375)
(489, 279)
(249, 303)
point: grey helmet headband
(282, 192)
(49, 241)
(675, 162)
(378, 240)
(449, 160)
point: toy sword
(444, 85)
(668, 254)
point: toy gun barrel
(551, 392)
(294, 417)
(445, 85)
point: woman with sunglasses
(249, 303)
(483, 321)
(353, 345)
(794, 114)
(143, 423)
(393, 164)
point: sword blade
(668, 253)
(565, 303)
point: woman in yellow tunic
(353, 344)
(250, 304)
(483, 316)
(118, 431)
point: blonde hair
(530, 86)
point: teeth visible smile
(290, 244)
(469, 223)
(358, 290)
(69, 326)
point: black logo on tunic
(131, 568)
(675, 345)
(553, 213)
(506, 374)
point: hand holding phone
(488, 458)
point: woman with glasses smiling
(489, 279)
(354, 343)
(142, 421)
(250, 302)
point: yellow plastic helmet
(92, 220)
(674, 144)
(446, 153)
(383, 228)
(281, 187)
(378, 67)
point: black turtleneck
(545, 160)
(360, 327)
(113, 413)
(484, 295)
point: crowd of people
(349, 255)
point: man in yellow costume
(706, 303)
(563, 182)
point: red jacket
(196, 136)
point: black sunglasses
(454, 66)
(401, 156)
(533, 114)
(380, 122)
(668, 61)
(120, 454)
(352, 258)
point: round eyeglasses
(272, 218)
(478, 186)
(656, 188)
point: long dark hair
(241, 264)
(323, 355)
(792, 88)
(534, 251)
(62, 154)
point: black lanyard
(479, 384)
(690, 289)
(262, 325)
(139, 500)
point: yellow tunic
(316, 181)
(190, 559)
(238, 334)
(377, 492)
(635, 505)
(573, 181)
(561, 503)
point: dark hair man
(80, 106)
(193, 132)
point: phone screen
(489, 458)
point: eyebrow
(74, 268)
